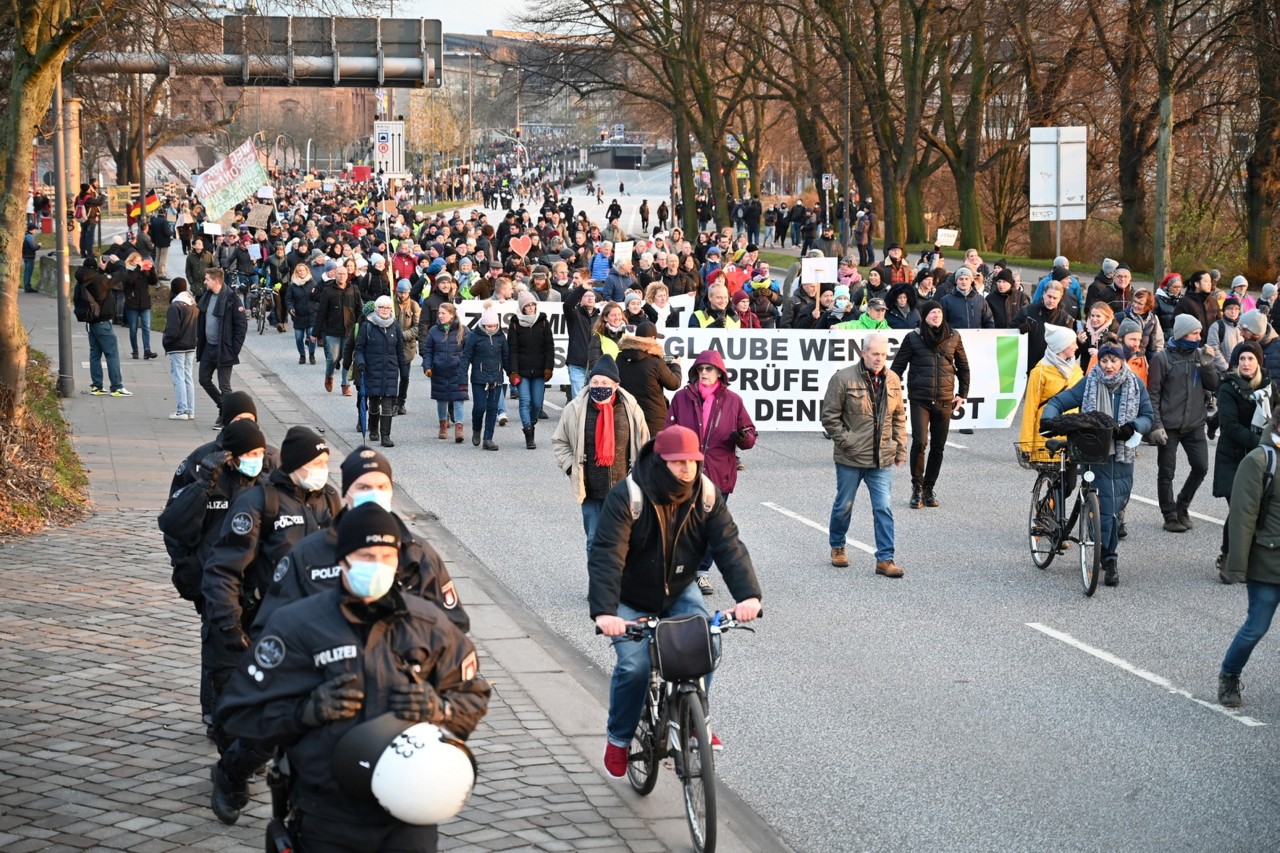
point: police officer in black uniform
(331, 661)
(312, 565)
(262, 526)
(193, 521)
(236, 406)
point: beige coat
(848, 416)
(569, 440)
(408, 315)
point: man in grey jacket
(864, 416)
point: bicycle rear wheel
(642, 763)
(1042, 527)
(262, 315)
(1090, 541)
(699, 777)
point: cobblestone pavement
(104, 750)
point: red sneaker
(615, 761)
(716, 745)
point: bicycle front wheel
(262, 317)
(642, 763)
(699, 777)
(1090, 541)
(1042, 527)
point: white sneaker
(181, 416)
(122, 392)
(502, 420)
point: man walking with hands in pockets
(865, 418)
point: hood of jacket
(637, 344)
(185, 298)
(711, 357)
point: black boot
(528, 439)
(1229, 691)
(928, 496)
(475, 437)
(386, 431)
(374, 434)
(1110, 576)
(917, 496)
(228, 798)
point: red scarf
(604, 432)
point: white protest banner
(231, 180)
(623, 251)
(212, 228)
(947, 237)
(469, 311)
(821, 270)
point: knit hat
(1109, 267)
(525, 298)
(403, 286)
(739, 295)
(814, 253)
(1239, 281)
(363, 526)
(1061, 261)
(241, 437)
(237, 403)
(1061, 273)
(1230, 302)
(928, 307)
(301, 445)
(1253, 321)
(489, 317)
(714, 250)
(1268, 291)
(1129, 326)
(964, 272)
(1006, 274)
(1112, 349)
(361, 461)
(607, 368)
(1248, 346)
(1183, 325)
(1056, 338)
(383, 301)
(842, 290)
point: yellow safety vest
(705, 319)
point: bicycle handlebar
(721, 621)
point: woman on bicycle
(1056, 372)
(1244, 408)
(1112, 389)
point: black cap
(300, 446)
(361, 461)
(892, 246)
(648, 330)
(238, 403)
(241, 437)
(364, 526)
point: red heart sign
(521, 245)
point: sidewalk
(100, 663)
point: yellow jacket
(1043, 382)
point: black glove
(332, 701)
(210, 466)
(1124, 432)
(417, 702)
(234, 639)
(1049, 426)
(1026, 325)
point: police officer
(331, 661)
(235, 406)
(193, 521)
(262, 526)
(312, 566)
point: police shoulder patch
(242, 523)
(469, 667)
(182, 466)
(269, 653)
(449, 596)
(282, 569)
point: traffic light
(603, 133)
(517, 133)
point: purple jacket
(729, 430)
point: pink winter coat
(729, 428)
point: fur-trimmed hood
(650, 346)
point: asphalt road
(924, 713)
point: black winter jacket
(645, 374)
(933, 372)
(630, 561)
(337, 311)
(233, 325)
(533, 348)
(1236, 435)
(180, 325)
(578, 323)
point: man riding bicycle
(654, 528)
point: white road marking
(1192, 514)
(1159, 681)
(854, 543)
(546, 402)
(957, 446)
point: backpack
(1268, 484)
(82, 304)
(637, 496)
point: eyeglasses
(708, 368)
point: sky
(469, 18)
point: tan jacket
(569, 440)
(408, 316)
(848, 416)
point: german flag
(153, 204)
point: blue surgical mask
(601, 395)
(250, 466)
(1183, 343)
(370, 580)
(315, 479)
(378, 496)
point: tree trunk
(1164, 140)
(1262, 187)
(688, 190)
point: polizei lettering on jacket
(325, 573)
(329, 656)
(288, 521)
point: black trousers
(208, 368)
(1196, 446)
(381, 835)
(930, 423)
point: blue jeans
(631, 672)
(531, 394)
(306, 343)
(135, 319)
(878, 482)
(485, 407)
(704, 568)
(590, 518)
(182, 370)
(1263, 598)
(443, 411)
(502, 401)
(577, 379)
(333, 356)
(28, 270)
(102, 342)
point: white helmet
(420, 773)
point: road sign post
(1059, 175)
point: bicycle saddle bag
(685, 647)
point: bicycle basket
(684, 648)
(1091, 446)
(1024, 453)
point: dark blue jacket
(233, 323)
(380, 353)
(442, 355)
(487, 357)
(967, 312)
